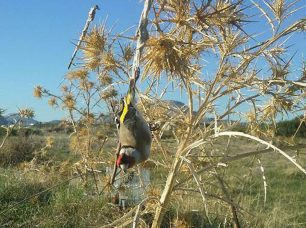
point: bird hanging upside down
(134, 132)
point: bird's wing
(130, 120)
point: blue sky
(36, 45)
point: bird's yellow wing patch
(127, 101)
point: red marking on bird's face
(125, 159)
(119, 159)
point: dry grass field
(67, 203)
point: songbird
(134, 132)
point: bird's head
(127, 158)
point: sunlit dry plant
(26, 113)
(64, 88)
(52, 102)
(127, 53)
(105, 79)
(86, 85)
(80, 74)
(37, 91)
(49, 142)
(165, 54)
(109, 93)
(69, 101)
(109, 62)
(227, 75)
(94, 46)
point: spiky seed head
(26, 113)
(127, 53)
(69, 101)
(64, 88)
(52, 101)
(49, 141)
(105, 79)
(109, 93)
(86, 85)
(94, 46)
(109, 62)
(80, 74)
(38, 91)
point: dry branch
(197, 180)
(8, 132)
(91, 17)
(141, 34)
(228, 197)
(115, 165)
(233, 133)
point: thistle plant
(23, 113)
(87, 91)
(224, 67)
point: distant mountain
(12, 118)
(3, 121)
(53, 122)
(175, 103)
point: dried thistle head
(165, 54)
(52, 102)
(26, 113)
(94, 46)
(86, 85)
(269, 111)
(80, 74)
(64, 89)
(105, 79)
(109, 93)
(179, 223)
(178, 9)
(221, 14)
(69, 101)
(49, 142)
(251, 117)
(38, 91)
(89, 118)
(127, 53)
(109, 62)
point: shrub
(18, 149)
(289, 128)
(2, 131)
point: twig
(115, 165)
(8, 132)
(264, 179)
(142, 34)
(225, 160)
(197, 180)
(227, 195)
(233, 133)
(94, 176)
(123, 218)
(91, 17)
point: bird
(134, 132)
